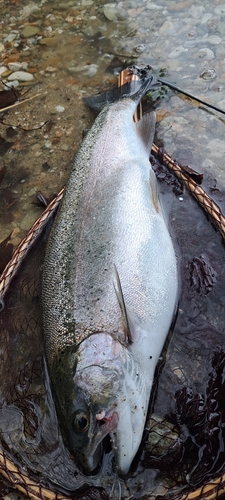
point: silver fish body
(109, 289)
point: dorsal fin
(146, 130)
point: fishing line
(188, 94)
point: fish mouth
(106, 423)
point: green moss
(157, 93)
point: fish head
(109, 398)
(94, 414)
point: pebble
(28, 10)
(214, 39)
(167, 27)
(12, 496)
(208, 54)
(29, 31)
(59, 109)
(177, 52)
(109, 10)
(21, 76)
(217, 146)
(15, 232)
(2, 47)
(153, 6)
(140, 48)
(6, 73)
(221, 104)
(14, 66)
(87, 69)
(196, 11)
(50, 69)
(49, 41)
(91, 69)
(208, 74)
(12, 84)
(206, 18)
(27, 221)
(11, 37)
(62, 6)
(220, 9)
(3, 69)
(89, 31)
(64, 147)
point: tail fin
(135, 90)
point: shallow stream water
(69, 50)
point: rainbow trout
(109, 285)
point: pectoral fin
(154, 190)
(131, 322)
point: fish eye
(81, 421)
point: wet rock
(28, 10)
(140, 48)
(109, 10)
(27, 221)
(208, 54)
(206, 18)
(214, 39)
(49, 41)
(12, 84)
(62, 6)
(177, 52)
(21, 76)
(220, 9)
(220, 51)
(208, 74)
(196, 11)
(2, 47)
(65, 147)
(2, 70)
(89, 31)
(59, 109)
(86, 3)
(14, 66)
(217, 146)
(221, 104)
(29, 31)
(6, 73)
(87, 69)
(11, 37)
(153, 6)
(167, 27)
(51, 69)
